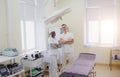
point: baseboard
(101, 64)
(107, 64)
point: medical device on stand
(3, 70)
(11, 52)
(34, 62)
(33, 56)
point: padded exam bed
(81, 67)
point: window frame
(98, 44)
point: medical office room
(59, 38)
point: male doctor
(67, 41)
(53, 46)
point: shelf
(16, 73)
(115, 59)
(6, 58)
(39, 73)
(116, 49)
(32, 63)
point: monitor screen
(3, 70)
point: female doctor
(53, 46)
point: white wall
(118, 21)
(75, 20)
(40, 27)
(3, 25)
(14, 24)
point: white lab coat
(67, 48)
(53, 57)
(50, 42)
(59, 56)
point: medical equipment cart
(11, 59)
(32, 64)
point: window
(32, 29)
(100, 22)
(28, 34)
(28, 24)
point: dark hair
(52, 34)
(63, 25)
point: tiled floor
(104, 71)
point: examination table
(82, 67)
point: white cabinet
(114, 55)
(11, 59)
(32, 64)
